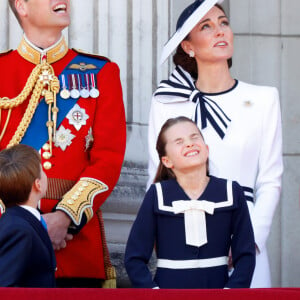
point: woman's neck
(214, 78)
(193, 182)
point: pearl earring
(192, 53)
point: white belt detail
(192, 263)
(194, 219)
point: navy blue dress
(156, 225)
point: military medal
(74, 92)
(84, 93)
(64, 93)
(94, 92)
(77, 116)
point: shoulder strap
(79, 51)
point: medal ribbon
(87, 79)
(74, 85)
(63, 80)
(93, 81)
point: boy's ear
(167, 162)
(37, 185)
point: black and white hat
(186, 22)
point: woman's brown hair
(188, 63)
(164, 173)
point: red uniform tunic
(94, 154)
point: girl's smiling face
(185, 147)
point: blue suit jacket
(26, 254)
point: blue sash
(37, 132)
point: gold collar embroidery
(35, 55)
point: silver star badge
(63, 138)
(77, 117)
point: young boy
(26, 253)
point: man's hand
(58, 223)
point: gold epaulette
(2, 53)
(79, 51)
(79, 200)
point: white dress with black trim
(189, 255)
(242, 127)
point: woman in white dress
(240, 122)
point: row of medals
(84, 89)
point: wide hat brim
(186, 28)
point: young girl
(192, 219)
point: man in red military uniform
(67, 105)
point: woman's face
(211, 39)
